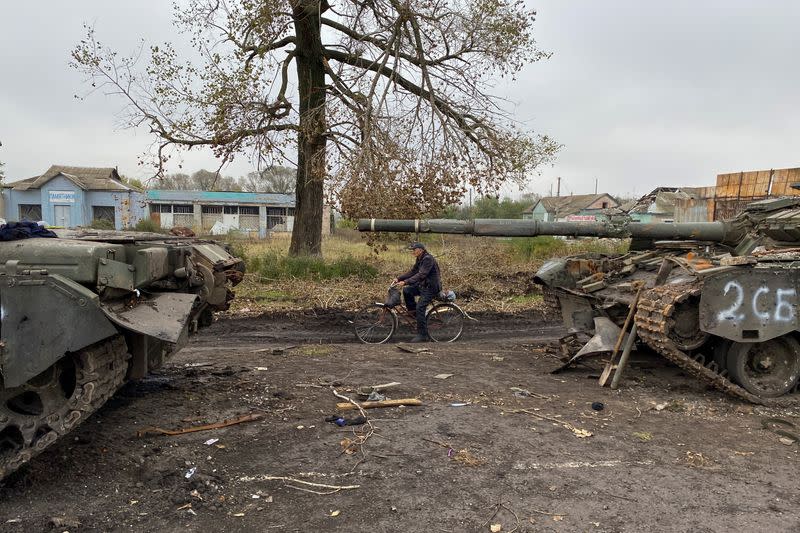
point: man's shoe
(420, 338)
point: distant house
(578, 207)
(69, 196)
(672, 204)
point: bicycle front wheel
(445, 322)
(375, 324)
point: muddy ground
(665, 454)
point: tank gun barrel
(706, 231)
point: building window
(160, 208)
(231, 209)
(30, 212)
(184, 209)
(605, 205)
(248, 209)
(103, 212)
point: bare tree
(391, 107)
(201, 180)
(274, 179)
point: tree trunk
(307, 232)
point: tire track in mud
(333, 327)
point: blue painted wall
(129, 206)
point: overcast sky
(640, 94)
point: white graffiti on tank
(783, 311)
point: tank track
(551, 302)
(653, 321)
(99, 370)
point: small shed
(69, 196)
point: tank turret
(719, 299)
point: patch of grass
(101, 223)
(542, 248)
(273, 265)
(314, 349)
(526, 298)
(271, 296)
(150, 225)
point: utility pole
(558, 187)
(595, 185)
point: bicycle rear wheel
(375, 324)
(445, 322)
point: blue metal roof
(222, 197)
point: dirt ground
(665, 454)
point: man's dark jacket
(425, 272)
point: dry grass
(486, 273)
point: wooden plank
(346, 406)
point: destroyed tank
(718, 299)
(82, 312)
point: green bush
(346, 223)
(148, 224)
(101, 223)
(237, 248)
(276, 266)
(543, 247)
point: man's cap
(415, 245)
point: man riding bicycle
(423, 280)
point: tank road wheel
(719, 351)
(685, 330)
(36, 414)
(375, 324)
(767, 369)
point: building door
(62, 215)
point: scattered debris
(290, 481)
(643, 436)
(225, 423)
(458, 404)
(335, 513)
(467, 458)
(189, 473)
(598, 406)
(209, 442)
(497, 358)
(342, 421)
(366, 391)
(525, 393)
(64, 522)
(344, 406)
(698, 460)
(578, 432)
(443, 376)
(275, 351)
(376, 396)
(787, 441)
(413, 349)
(496, 527)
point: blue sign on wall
(62, 197)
